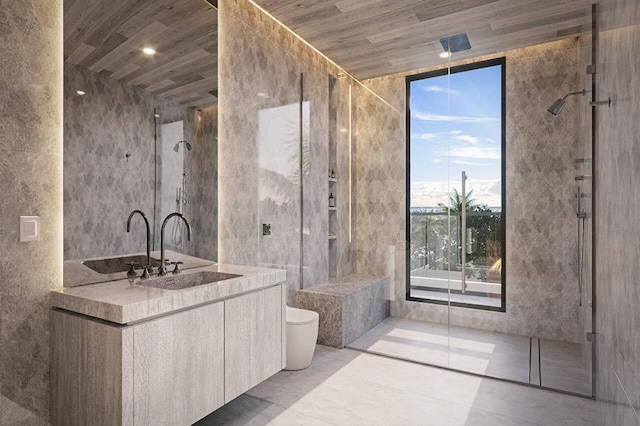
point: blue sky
(456, 126)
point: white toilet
(302, 335)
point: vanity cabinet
(170, 370)
(178, 366)
(253, 346)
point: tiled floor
(505, 356)
(347, 387)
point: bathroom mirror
(140, 125)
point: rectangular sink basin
(114, 265)
(181, 281)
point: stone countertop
(125, 302)
(344, 285)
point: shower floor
(556, 365)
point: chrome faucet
(162, 269)
(147, 269)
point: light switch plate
(29, 228)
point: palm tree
(456, 201)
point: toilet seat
(297, 316)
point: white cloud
(427, 116)
(437, 161)
(468, 163)
(439, 89)
(429, 194)
(424, 136)
(467, 138)
(455, 132)
(491, 153)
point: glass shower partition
(497, 244)
(280, 181)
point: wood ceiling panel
(108, 36)
(154, 72)
(143, 38)
(359, 34)
(371, 38)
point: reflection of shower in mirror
(182, 206)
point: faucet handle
(146, 271)
(177, 269)
(132, 269)
(162, 270)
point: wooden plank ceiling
(108, 36)
(372, 38)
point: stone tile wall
(259, 149)
(542, 295)
(617, 239)
(31, 172)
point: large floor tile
(248, 410)
(348, 387)
(414, 409)
(492, 354)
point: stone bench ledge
(348, 307)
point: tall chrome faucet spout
(162, 269)
(147, 268)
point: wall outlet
(266, 229)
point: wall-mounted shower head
(186, 144)
(558, 105)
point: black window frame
(438, 73)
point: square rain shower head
(456, 43)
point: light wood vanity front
(169, 370)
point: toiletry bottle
(332, 201)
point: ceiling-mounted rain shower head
(456, 43)
(186, 144)
(558, 105)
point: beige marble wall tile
(541, 224)
(31, 172)
(617, 229)
(261, 65)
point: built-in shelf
(333, 209)
(333, 180)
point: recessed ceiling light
(149, 51)
(445, 55)
(80, 93)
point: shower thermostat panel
(29, 228)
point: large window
(455, 157)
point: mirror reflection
(140, 133)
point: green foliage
(436, 237)
(456, 201)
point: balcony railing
(436, 250)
